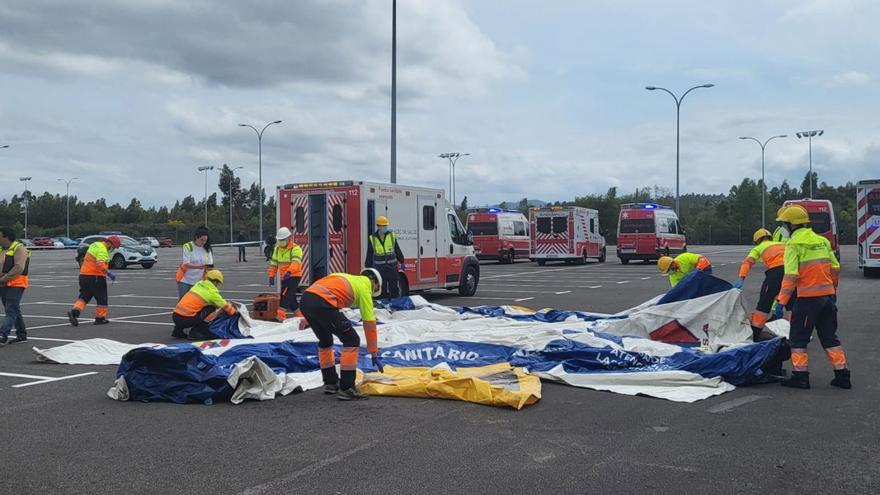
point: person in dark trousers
(15, 260)
(384, 254)
(93, 275)
(270, 247)
(198, 308)
(242, 256)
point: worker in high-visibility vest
(812, 269)
(286, 263)
(15, 260)
(199, 307)
(772, 254)
(320, 307)
(93, 275)
(384, 254)
(679, 267)
(781, 233)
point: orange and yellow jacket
(97, 260)
(686, 263)
(20, 280)
(286, 258)
(343, 290)
(771, 253)
(202, 295)
(810, 266)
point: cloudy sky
(132, 96)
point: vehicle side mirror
(470, 238)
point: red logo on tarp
(674, 333)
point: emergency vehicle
(868, 226)
(498, 234)
(822, 220)
(647, 231)
(565, 233)
(332, 220)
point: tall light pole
(678, 134)
(394, 91)
(231, 181)
(27, 199)
(260, 166)
(763, 182)
(67, 198)
(452, 157)
(810, 135)
(205, 170)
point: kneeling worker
(772, 254)
(198, 307)
(679, 267)
(320, 306)
(93, 275)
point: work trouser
(11, 297)
(327, 321)
(769, 291)
(242, 256)
(92, 286)
(287, 299)
(819, 313)
(197, 324)
(390, 287)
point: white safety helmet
(283, 233)
(373, 273)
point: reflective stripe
(816, 290)
(383, 251)
(372, 336)
(326, 357)
(190, 304)
(837, 357)
(339, 299)
(759, 318)
(821, 262)
(20, 280)
(349, 359)
(800, 360)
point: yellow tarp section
(496, 385)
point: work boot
(101, 321)
(351, 394)
(178, 333)
(841, 379)
(72, 315)
(799, 379)
(4, 341)
(331, 388)
(20, 338)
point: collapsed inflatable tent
(689, 344)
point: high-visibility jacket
(286, 258)
(20, 280)
(781, 234)
(810, 266)
(97, 259)
(771, 253)
(203, 294)
(686, 263)
(343, 290)
(383, 249)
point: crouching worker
(198, 307)
(772, 254)
(679, 267)
(320, 305)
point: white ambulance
(868, 226)
(331, 222)
(565, 233)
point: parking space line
(563, 292)
(32, 377)
(50, 380)
(113, 306)
(623, 282)
(523, 299)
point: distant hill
(512, 205)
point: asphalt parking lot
(63, 435)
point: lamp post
(205, 170)
(27, 198)
(810, 135)
(763, 182)
(394, 91)
(231, 180)
(67, 198)
(452, 157)
(260, 168)
(677, 134)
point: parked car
(131, 252)
(43, 242)
(66, 241)
(149, 241)
(165, 242)
(27, 242)
(110, 232)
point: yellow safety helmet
(795, 215)
(779, 213)
(382, 221)
(760, 234)
(214, 276)
(664, 264)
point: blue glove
(286, 276)
(271, 281)
(779, 312)
(738, 284)
(111, 276)
(378, 364)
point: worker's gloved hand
(271, 281)
(738, 284)
(377, 363)
(286, 276)
(111, 276)
(779, 312)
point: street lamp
(394, 91)
(810, 135)
(763, 182)
(677, 132)
(231, 180)
(452, 157)
(205, 170)
(260, 172)
(26, 201)
(67, 197)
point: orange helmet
(114, 241)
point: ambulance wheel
(582, 260)
(118, 262)
(511, 257)
(602, 256)
(403, 285)
(542, 262)
(469, 281)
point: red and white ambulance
(498, 234)
(868, 226)
(822, 219)
(332, 220)
(647, 231)
(565, 233)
